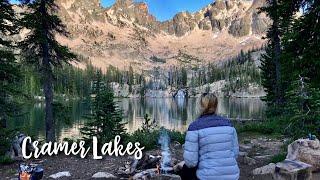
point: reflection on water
(167, 112)
(178, 114)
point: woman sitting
(211, 145)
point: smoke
(164, 141)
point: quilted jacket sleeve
(191, 149)
(235, 143)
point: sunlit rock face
(127, 34)
(241, 17)
(129, 12)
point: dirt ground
(258, 148)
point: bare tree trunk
(48, 93)
(47, 81)
(277, 53)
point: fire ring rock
(292, 170)
(307, 151)
(146, 174)
(103, 175)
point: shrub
(5, 160)
(279, 157)
(149, 139)
(177, 136)
(275, 125)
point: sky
(165, 9)
(14, 1)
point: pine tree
(303, 105)
(41, 49)
(184, 77)
(106, 120)
(268, 79)
(271, 61)
(301, 51)
(302, 43)
(9, 72)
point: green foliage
(142, 87)
(9, 76)
(278, 157)
(291, 66)
(272, 63)
(269, 127)
(5, 160)
(148, 125)
(41, 50)
(283, 152)
(176, 136)
(40, 47)
(6, 136)
(272, 126)
(148, 140)
(303, 106)
(240, 72)
(106, 120)
(9, 68)
(157, 59)
(151, 142)
(268, 73)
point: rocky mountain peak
(128, 12)
(84, 4)
(127, 33)
(143, 7)
(238, 17)
(122, 4)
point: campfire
(152, 166)
(165, 165)
(166, 170)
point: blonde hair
(208, 103)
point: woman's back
(212, 145)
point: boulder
(153, 174)
(178, 167)
(60, 175)
(307, 151)
(146, 174)
(103, 175)
(243, 154)
(249, 161)
(267, 169)
(292, 170)
(15, 151)
(245, 147)
(166, 177)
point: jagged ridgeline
(127, 34)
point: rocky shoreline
(218, 88)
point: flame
(158, 169)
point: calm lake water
(171, 113)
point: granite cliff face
(240, 17)
(127, 34)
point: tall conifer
(43, 51)
(9, 71)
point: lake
(171, 113)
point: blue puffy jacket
(212, 145)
